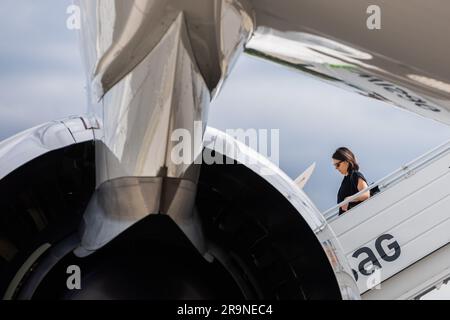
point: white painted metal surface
(32, 143)
(303, 178)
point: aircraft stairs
(397, 241)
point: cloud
(42, 77)
(28, 100)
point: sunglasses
(337, 164)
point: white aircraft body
(101, 192)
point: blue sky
(41, 76)
(42, 79)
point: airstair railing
(402, 173)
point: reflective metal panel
(117, 35)
(118, 204)
(163, 93)
(154, 66)
(364, 72)
(34, 142)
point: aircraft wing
(304, 177)
(403, 63)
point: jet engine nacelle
(264, 237)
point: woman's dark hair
(345, 154)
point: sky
(42, 79)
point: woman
(354, 181)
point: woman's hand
(345, 206)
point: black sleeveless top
(349, 187)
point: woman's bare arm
(361, 186)
(366, 195)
